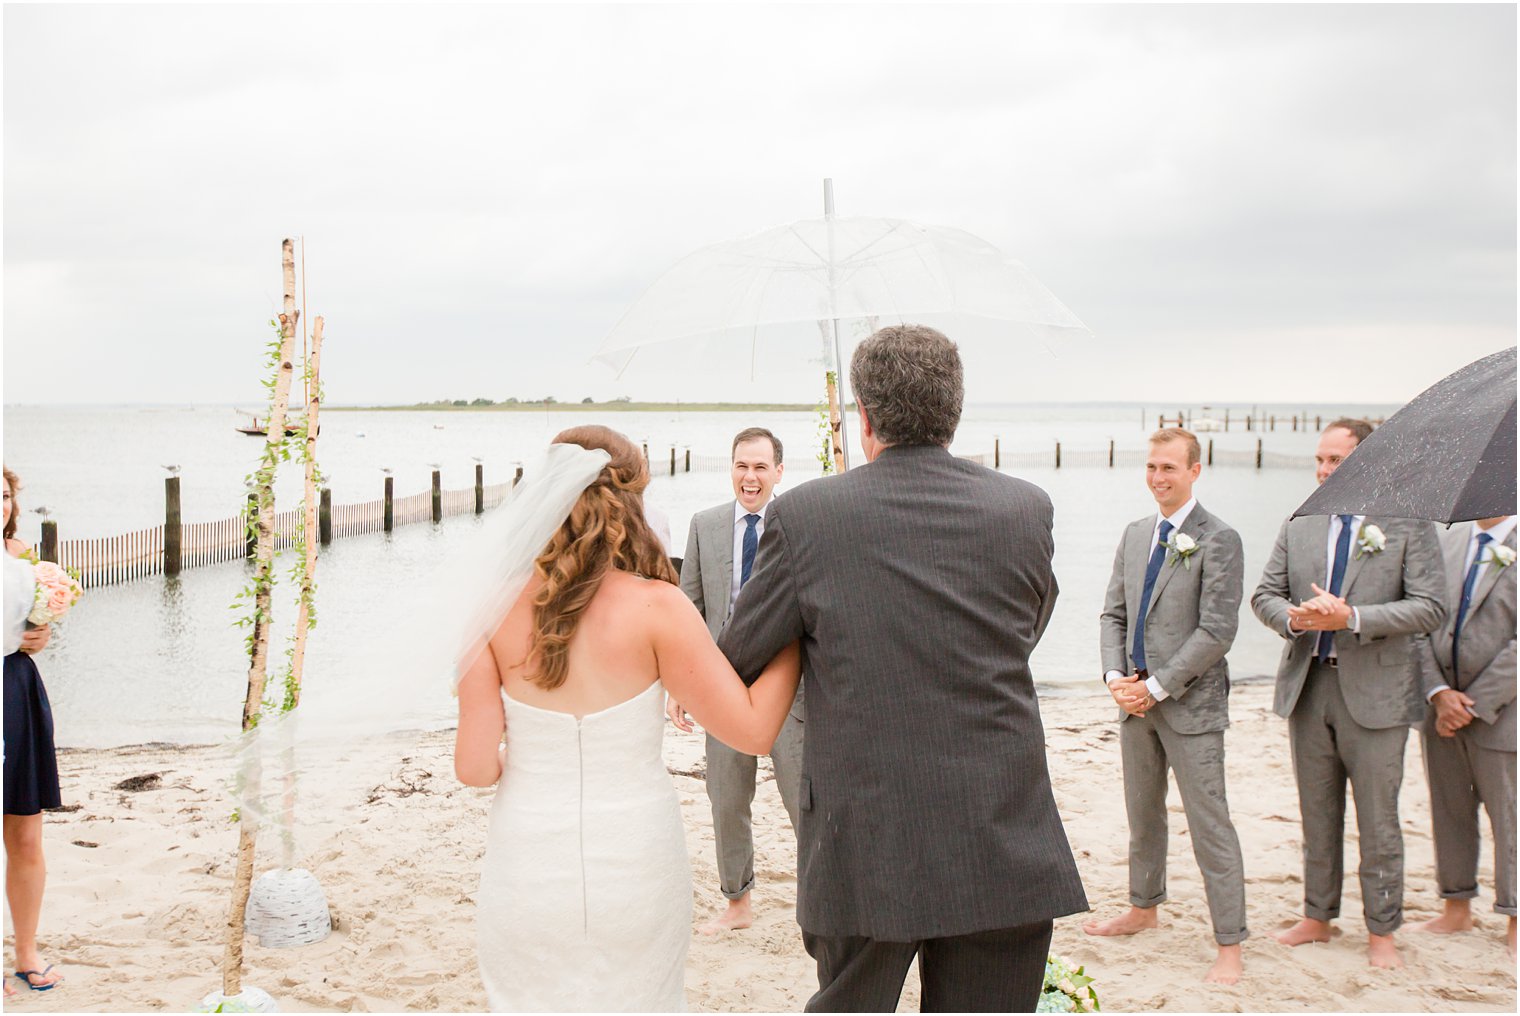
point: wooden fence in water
(170, 548)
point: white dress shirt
(740, 525)
(1500, 532)
(1354, 623)
(1177, 518)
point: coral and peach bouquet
(56, 592)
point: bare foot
(1382, 953)
(738, 914)
(1305, 931)
(1456, 916)
(1133, 920)
(1227, 966)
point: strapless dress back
(585, 898)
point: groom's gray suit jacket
(1191, 622)
(918, 585)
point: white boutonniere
(1181, 547)
(1371, 541)
(1501, 555)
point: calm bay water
(158, 660)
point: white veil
(497, 568)
(442, 633)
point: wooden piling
(688, 458)
(49, 550)
(672, 460)
(1058, 455)
(1211, 451)
(437, 497)
(172, 529)
(1227, 420)
(1258, 453)
(517, 476)
(324, 516)
(390, 503)
(1110, 453)
(1272, 423)
(997, 450)
(480, 488)
(1316, 423)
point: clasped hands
(1131, 694)
(1325, 612)
(1453, 711)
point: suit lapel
(723, 532)
(1313, 537)
(1193, 525)
(1136, 555)
(1356, 556)
(1455, 554)
(1490, 578)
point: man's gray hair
(908, 379)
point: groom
(918, 585)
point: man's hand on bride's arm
(677, 714)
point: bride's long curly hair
(606, 530)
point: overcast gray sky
(1243, 203)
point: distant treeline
(620, 404)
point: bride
(585, 897)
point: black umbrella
(1448, 456)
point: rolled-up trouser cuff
(1459, 894)
(1508, 911)
(1321, 913)
(1387, 927)
(1146, 904)
(741, 893)
(1233, 938)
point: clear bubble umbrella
(748, 296)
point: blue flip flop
(27, 975)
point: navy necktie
(1152, 569)
(1467, 591)
(751, 541)
(1337, 579)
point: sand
(139, 881)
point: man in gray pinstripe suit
(720, 556)
(917, 584)
(1169, 618)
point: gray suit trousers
(1148, 745)
(731, 790)
(1462, 775)
(1329, 747)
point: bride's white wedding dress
(585, 894)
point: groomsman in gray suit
(1170, 617)
(917, 585)
(1468, 668)
(1350, 594)
(720, 555)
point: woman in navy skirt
(31, 776)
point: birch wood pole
(303, 612)
(832, 379)
(308, 571)
(232, 960)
